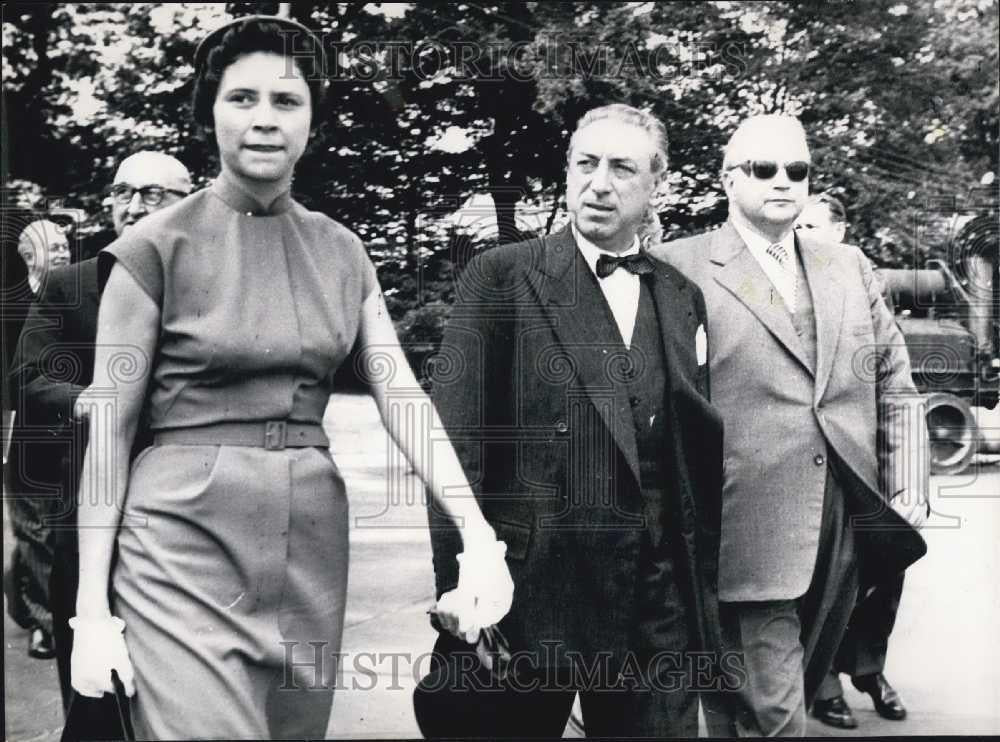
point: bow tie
(638, 264)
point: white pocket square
(701, 345)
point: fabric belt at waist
(273, 435)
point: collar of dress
(239, 200)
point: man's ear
(726, 179)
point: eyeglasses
(151, 195)
(766, 169)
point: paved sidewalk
(944, 657)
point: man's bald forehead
(41, 233)
(154, 168)
(766, 133)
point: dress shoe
(834, 712)
(888, 704)
(40, 645)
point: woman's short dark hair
(249, 35)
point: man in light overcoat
(825, 441)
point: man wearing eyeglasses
(146, 182)
(52, 365)
(825, 445)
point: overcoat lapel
(741, 275)
(572, 300)
(89, 288)
(828, 306)
(677, 328)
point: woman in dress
(223, 320)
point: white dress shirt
(782, 277)
(621, 288)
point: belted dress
(232, 560)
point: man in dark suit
(52, 365)
(864, 647)
(42, 246)
(572, 382)
(825, 446)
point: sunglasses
(766, 169)
(151, 195)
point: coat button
(561, 427)
(634, 401)
(819, 459)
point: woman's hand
(484, 594)
(485, 589)
(98, 648)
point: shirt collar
(239, 200)
(756, 242)
(592, 252)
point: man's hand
(911, 508)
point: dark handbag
(457, 698)
(99, 718)
(492, 649)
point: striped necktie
(779, 253)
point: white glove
(99, 648)
(483, 575)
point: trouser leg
(864, 648)
(773, 693)
(829, 687)
(664, 703)
(788, 646)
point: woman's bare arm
(127, 331)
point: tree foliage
(433, 103)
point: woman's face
(262, 113)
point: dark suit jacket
(784, 417)
(53, 363)
(527, 387)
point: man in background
(53, 364)
(863, 649)
(42, 245)
(825, 217)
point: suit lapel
(828, 306)
(579, 316)
(741, 275)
